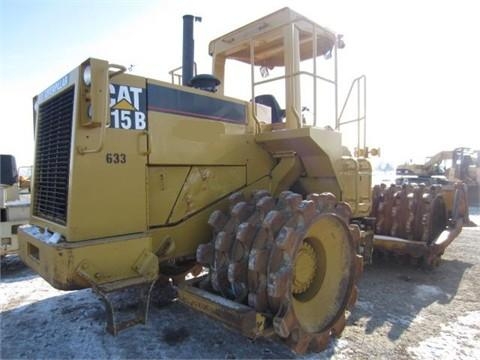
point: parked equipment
(14, 202)
(133, 175)
(446, 168)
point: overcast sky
(421, 58)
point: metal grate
(52, 158)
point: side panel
(107, 195)
(318, 150)
(190, 127)
(164, 185)
(182, 239)
(108, 191)
(364, 187)
(325, 169)
(348, 176)
(177, 192)
(355, 176)
(205, 185)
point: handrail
(359, 83)
(356, 80)
(314, 75)
(252, 78)
(106, 115)
(298, 117)
(295, 74)
(174, 76)
(121, 70)
(360, 117)
(353, 120)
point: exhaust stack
(188, 58)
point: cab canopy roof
(267, 35)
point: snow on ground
(403, 313)
(425, 292)
(21, 290)
(32, 319)
(457, 340)
(475, 214)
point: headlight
(87, 75)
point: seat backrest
(269, 100)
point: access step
(232, 314)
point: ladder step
(117, 297)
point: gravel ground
(403, 312)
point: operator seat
(269, 100)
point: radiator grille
(52, 158)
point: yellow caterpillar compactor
(137, 180)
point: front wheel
(291, 258)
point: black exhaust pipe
(188, 58)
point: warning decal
(127, 107)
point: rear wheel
(415, 213)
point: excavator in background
(138, 180)
(14, 202)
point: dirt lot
(403, 312)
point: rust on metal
(233, 314)
(413, 221)
(270, 256)
(126, 302)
